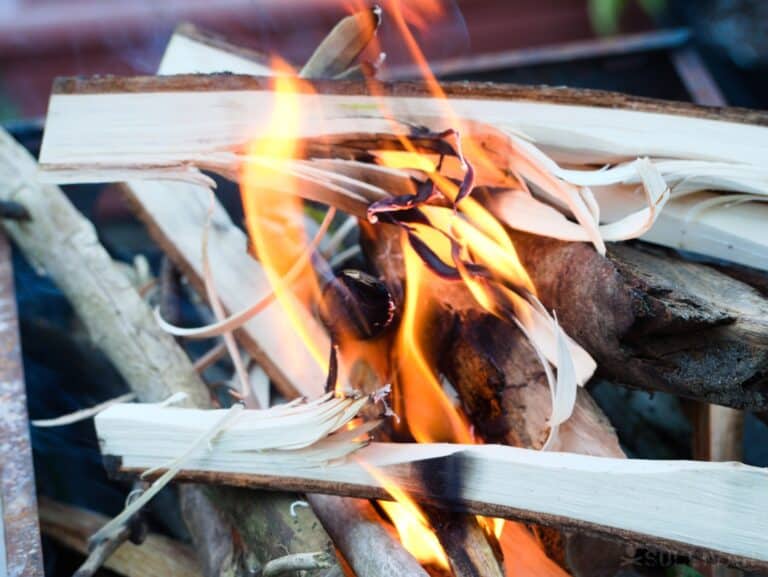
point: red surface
(42, 39)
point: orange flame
(273, 211)
(413, 528)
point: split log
(61, 242)
(656, 503)
(575, 127)
(157, 555)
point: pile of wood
(639, 315)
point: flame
(413, 528)
(271, 211)
(429, 414)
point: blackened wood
(656, 321)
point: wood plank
(20, 552)
(701, 508)
(571, 126)
(225, 111)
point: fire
(271, 211)
(412, 526)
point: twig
(211, 357)
(297, 562)
(83, 414)
(102, 551)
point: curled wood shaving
(83, 414)
(235, 321)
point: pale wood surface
(175, 214)
(707, 509)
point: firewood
(657, 503)
(573, 126)
(157, 555)
(60, 241)
(656, 322)
(351, 522)
(173, 216)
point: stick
(655, 503)
(339, 50)
(296, 562)
(157, 555)
(357, 530)
(101, 552)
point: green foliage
(606, 14)
(681, 571)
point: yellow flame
(429, 413)
(416, 534)
(272, 210)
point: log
(64, 244)
(157, 555)
(656, 322)
(357, 529)
(574, 127)
(501, 385)
(656, 503)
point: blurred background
(627, 45)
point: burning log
(734, 328)
(652, 502)
(656, 322)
